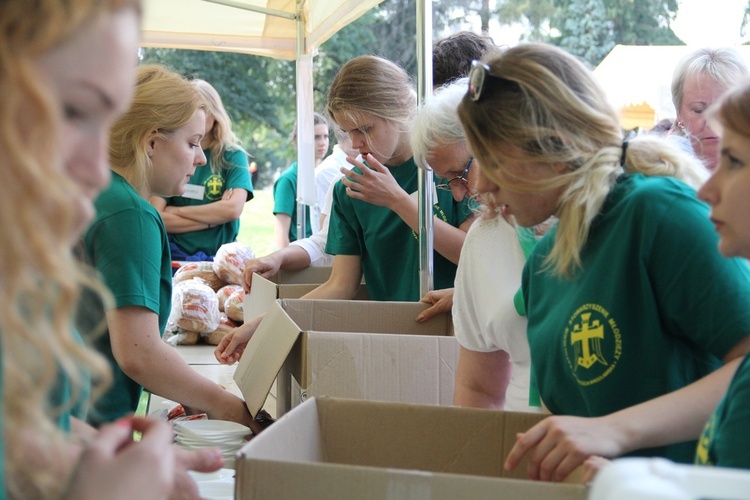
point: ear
(151, 142)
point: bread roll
(223, 294)
(195, 306)
(230, 261)
(234, 306)
(202, 270)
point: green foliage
(590, 28)
(260, 93)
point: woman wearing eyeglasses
(494, 362)
(627, 298)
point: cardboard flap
(265, 291)
(264, 354)
(359, 316)
(298, 438)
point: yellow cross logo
(214, 185)
(583, 334)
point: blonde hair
(545, 108)
(41, 281)
(221, 137)
(163, 102)
(375, 86)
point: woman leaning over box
(627, 298)
(155, 149)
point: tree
(590, 28)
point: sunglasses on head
(479, 76)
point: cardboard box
(338, 448)
(353, 349)
(286, 285)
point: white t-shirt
(315, 245)
(327, 173)
(485, 319)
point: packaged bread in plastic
(234, 306)
(202, 270)
(224, 292)
(230, 261)
(226, 325)
(194, 306)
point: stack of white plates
(229, 437)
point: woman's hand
(230, 348)
(375, 184)
(267, 267)
(441, 300)
(123, 468)
(557, 445)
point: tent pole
(426, 183)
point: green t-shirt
(127, 244)
(725, 441)
(387, 246)
(285, 201)
(653, 309)
(234, 174)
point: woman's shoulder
(642, 192)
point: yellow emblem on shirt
(214, 187)
(592, 344)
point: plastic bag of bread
(194, 306)
(230, 261)
(234, 306)
(202, 270)
(224, 292)
(226, 325)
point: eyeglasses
(479, 75)
(445, 184)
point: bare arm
(144, 357)
(481, 379)
(557, 445)
(199, 217)
(283, 223)
(377, 185)
(346, 276)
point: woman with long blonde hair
(66, 73)
(154, 151)
(207, 215)
(627, 298)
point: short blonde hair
(725, 65)
(163, 101)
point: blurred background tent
(638, 79)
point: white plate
(216, 490)
(204, 427)
(200, 477)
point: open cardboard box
(340, 448)
(349, 348)
(286, 285)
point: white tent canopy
(281, 29)
(247, 26)
(638, 74)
